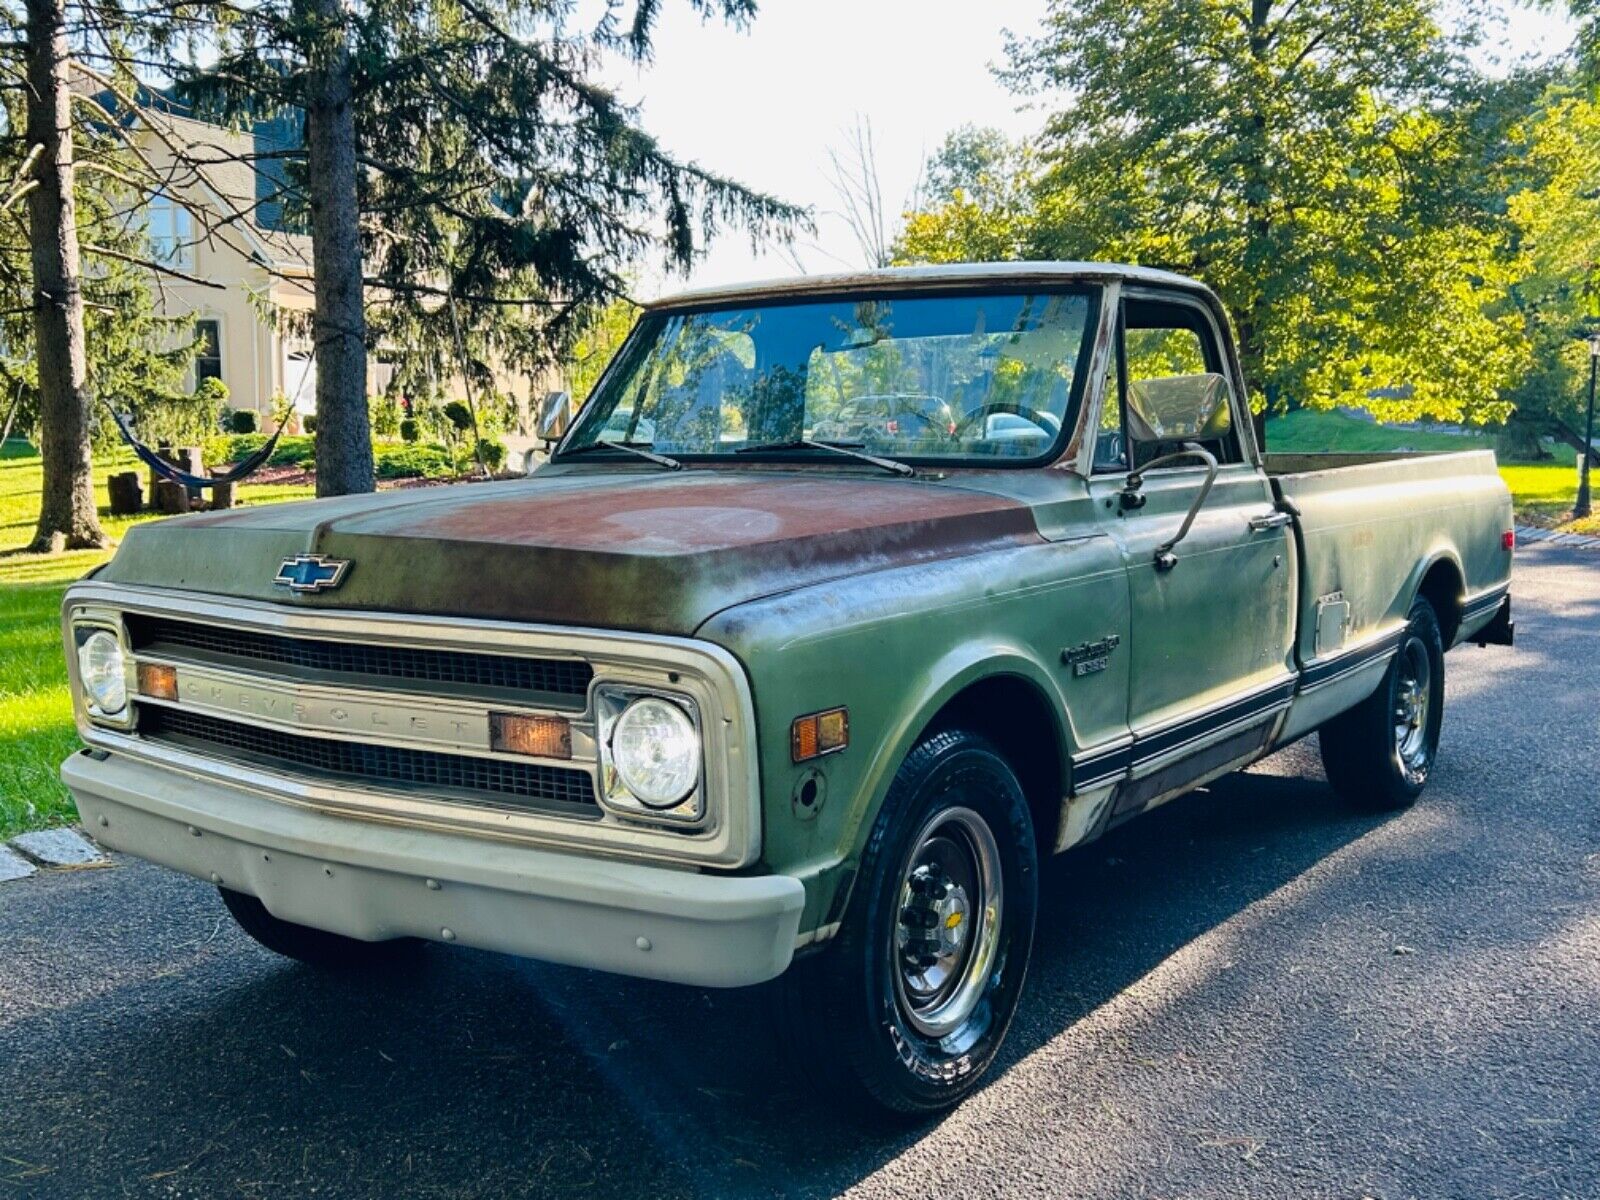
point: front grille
(442, 776)
(354, 661)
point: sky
(765, 105)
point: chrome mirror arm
(1133, 496)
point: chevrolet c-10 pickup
(838, 606)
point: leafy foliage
(597, 341)
(137, 358)
(1557, 221)
(503, 191)
(1324, 164)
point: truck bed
(1306, 464)
(1371, 527)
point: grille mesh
(467, 669)
(481, 777)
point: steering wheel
(1047, 422)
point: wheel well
(1443, 588)
(1015, 715)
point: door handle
(1273, 520)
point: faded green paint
(835, 585)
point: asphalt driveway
(1252, 992)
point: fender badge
(1087, 658)
(311, 573)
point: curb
(62, 848)
(1529, 534)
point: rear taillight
(1508, 540)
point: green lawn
(1543, 492)
(36, 730)
(1306, 431)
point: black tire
(1379, 754)
(315, 947)
(859, 1013)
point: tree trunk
(1258, 217)
(67, 517)
(344, 434)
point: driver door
(1211, 635)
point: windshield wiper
(848, 449)
(642, 449)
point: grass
(1306, 431)
(1543, 493)
(36, 730)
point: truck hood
(613, 548)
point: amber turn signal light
(158, 681)
(819, 733)
(546, 737)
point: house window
(171, 230)
(208, 354)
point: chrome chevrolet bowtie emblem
(311, 573)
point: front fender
(894, 647)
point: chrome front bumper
(373, 881)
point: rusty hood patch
(620, 549)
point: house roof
(225, 163)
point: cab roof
(918, 278)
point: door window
(1176, 387)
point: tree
(1319, 162)
(979, 202)
(130, 354)
(67, 514)
(460, 151)
(596, 344)
(1557, 222)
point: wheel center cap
(953, 922)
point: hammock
(179, 476)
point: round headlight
(656, 751)
(100, 665)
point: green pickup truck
(839, 605)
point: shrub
(459, 415)
(309, 424)
(493, 453)
(243, 420)
(408, 429)
(290, 451)
(413, 462)
(384, 412)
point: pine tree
(461, 167)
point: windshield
(985, 376)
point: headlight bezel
(611, 700)
(83, 630)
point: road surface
(1252, 992)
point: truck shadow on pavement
(473, 1074)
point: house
(237, 264)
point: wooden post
(164, 451)
(169, 497)
(192, 460)
(126, 498)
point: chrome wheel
(947, 930)
(1413, 700)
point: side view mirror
(1133, 496)
(555, 414)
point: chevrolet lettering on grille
(311, 573)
